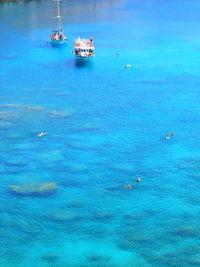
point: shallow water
(109, 128)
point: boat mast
(58, 15)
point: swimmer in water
(138, 180)
(172, 134)
(42, 133)
(116, 54)
(128, 186)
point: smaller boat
(84, 48)
(58, 37)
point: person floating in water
(169, 135)
(42, 133)
(128, 186)
(91, 39)
(138, 179)
(128, 66)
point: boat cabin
(84, 48)
(58, 35)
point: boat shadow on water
(51, 46)
(81, 62)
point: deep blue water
(110, 130)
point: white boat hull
(83, 59)
(58, 42)
(84, 49)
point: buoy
(128, 66)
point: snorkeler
(169, 135)
(128, 66)
(128, 186)
(42, 133)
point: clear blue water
(115, 132)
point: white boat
(58, 37)
(84, 48)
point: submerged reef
(76, 204)
(37, 189)
(125, 244)
(13, 110)
(62, 93)
(35, 108)
(98, 259)
(89, 127)
(174, 259)
(6, 115)
(186, 231)
(58, 114)
(50, 258)
(5, 125)
(65, 215)
(96, 232)
(103, 215)
(16, 162)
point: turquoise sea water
(109, 129)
